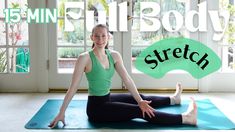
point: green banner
(178, 53)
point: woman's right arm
(76, 78)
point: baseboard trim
(141, 90)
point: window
(71, 44)
(14, 47)
(141, 40)
(227, 44)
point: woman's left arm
(129, 83)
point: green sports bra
(100, 79)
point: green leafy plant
(136, 52)
(3, 64)
(69, 52)
(166, 5)
(77, 34)
(225, 5)
(230, 31)
(14, 36)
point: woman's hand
(59, 117)
(144, 106)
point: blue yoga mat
(209, 118)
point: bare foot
(176, 98)
(190, 116)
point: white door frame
(218, 81)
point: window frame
(8, 46)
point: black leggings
(123, 107)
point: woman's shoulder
(84, 56)
(115, 54)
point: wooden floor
(16, 109)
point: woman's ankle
(190, 116)
(176, 98)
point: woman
(99, 65)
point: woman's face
(100, 37)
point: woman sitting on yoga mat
(99, 65)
